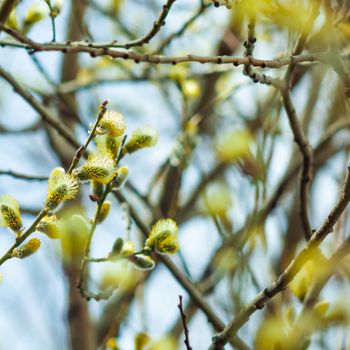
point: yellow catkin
(234, 145)
(105, 208)
(169, 245)
(108, 145)
(35, 13)
(112, 344)
(10, 213)
(98, 168)
(164, 237)
(142, 339)
(141, 138)
(27, 249)
(112, 123)
(61, 188)
(74, 230)
(50, 226)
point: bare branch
(23, 176)
(307, 154)
(183, 317)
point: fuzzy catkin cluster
(163, 237)
(10, 214)
(100, 169)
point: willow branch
(83, 47)
(86, 258)
(307, 155)
(35, 127)
(23, 176)
(157, 25)
(249, 45)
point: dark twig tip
(183, 317)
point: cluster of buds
(126, 250)
(162, 239)
(101, 166)
(100, 169)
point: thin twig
(81, 150)
(307, 154)
(319, 149)
(184, 323)
(82, 276)
(299, 135)
(249, 45)
(166, 42)
(23, 176)
(157, 25)
(53, 17)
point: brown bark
(82, 334)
